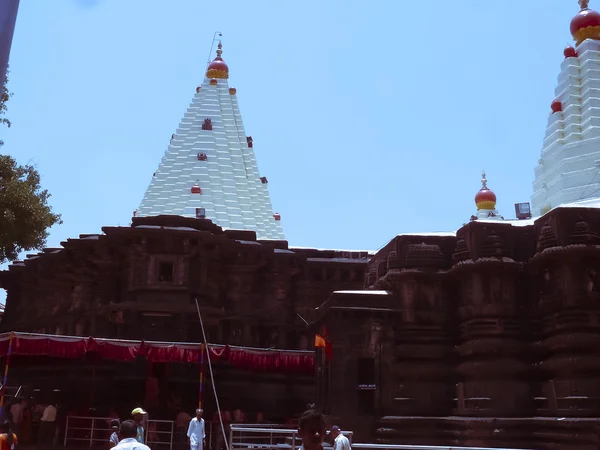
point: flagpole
(7, 364)
(201, 393)
(212, 45)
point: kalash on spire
(568, 170)
(485, 200)
(209, 170)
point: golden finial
(483, 181)
(219, 49)
(584, 4)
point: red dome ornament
(485, 198)
(218, 68)
(570, 52)
(586, 24)
(196, 189)
(556, 106)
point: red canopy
(268, 360)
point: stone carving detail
(547, 237)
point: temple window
(165, 271)
(207, 124)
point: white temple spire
(568, 168)
(209, 169)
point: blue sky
(369, 118)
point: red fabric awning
(267, 360)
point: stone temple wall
(488, 337)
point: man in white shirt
(16, 412)
(47, 427)
(128, 432)
(196, 433)
(340, 442)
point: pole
(93, 383)
(200, 395)
(10, 343)
(8, 19)
(212, 45)
(212, 378)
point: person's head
(138, 415)
(114, 424)
(128, 429)
(312, 429)
(4, 426)
(335, 431)
(199, 413)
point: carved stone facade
(484, 338)
(142, 282)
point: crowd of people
(39, 423)
(21, 422)
(312, 430)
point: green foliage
(3, 99)
(25, 215)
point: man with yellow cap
(138, 415)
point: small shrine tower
(209, 169)
(569, 167)
(485, 200)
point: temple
(569, 166)
(209, 170)
(483, 336)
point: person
(16, 412)
(220, 440)
(113, 441)
(340, 442)
(8, 440)
(196, 432)
(128, 431)
(138, 415)
(26, 426)
(312, 430)
(182, 422)
(47, 427)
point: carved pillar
(494, 361)
(566, 272)
(423, 352)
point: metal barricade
(267, 437)
(214, 428)
(93, 430)
(271, 438)
(159, 433)
(420, 447)
(87, 429)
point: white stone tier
(232, 193)
(568, 169)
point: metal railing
(97, 429)
(421, 447)
(87, 429)
(267, 437)
(159, 433)
(281, 437)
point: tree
(25, 215)
(6, 94)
